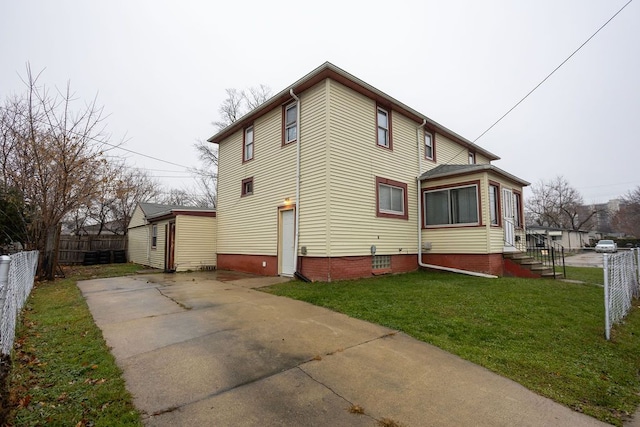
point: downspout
(418, 181)
(297, 218)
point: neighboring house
(569, 239)
(173, 238)
(333, 179)
(116, 227)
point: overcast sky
(160, 70)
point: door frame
(508, 220)
(280, 251)
(170, 246)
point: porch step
(532, 264)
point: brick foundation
(249, 264)
(326, 269)
(481, 263)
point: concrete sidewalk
(206, 349)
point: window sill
(380, 271)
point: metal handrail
(542, 249)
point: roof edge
(329, 70)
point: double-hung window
(248, 144)
(154, 236)
(391, 198)
(428, 146)
(384, 128)
(290, 123)
(452, 206)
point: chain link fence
(17, 273)
(621, 286)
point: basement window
(381, 262)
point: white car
(607, 246)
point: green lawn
(591, 275)
(63, 373)
(547, 335)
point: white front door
(508, 222)
(287, 236)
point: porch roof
(443, 171)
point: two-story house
(332, 179)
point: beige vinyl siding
(249, 225)
(137, 218)
(450, 152)
(195, 242)
(460, 240)
(138, 245)
(156, 256)
(482, 160)
(355, 162)
(314, 207)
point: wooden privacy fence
(73, 248)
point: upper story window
(392, 198)
(428, 146)
(452, 206)
(472, 158)
(247, 187)
(247, 148)
(154, 236)
(383, 121)
(290, 123)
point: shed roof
(443, 171)
(155, 210)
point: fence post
(5, 260)
(607, 325)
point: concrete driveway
(585, 259)
(208, 350)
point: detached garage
(172, 238)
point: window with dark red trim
(247, 187)
(247, 144)
(517, 205)
(289, 123)
(455, 205)
(494, 204)
(391, 199)
(383, 125)
(429, 147)
(472, 158)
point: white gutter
(420, 263)
(297, 219)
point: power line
(552, 72)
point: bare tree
(206, 174)
(54, 153)
(239, 102)
(627, 219)
(555, 203)
(256, 96)
(112, 208)
(231, 108)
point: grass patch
(63, 372)
(593, 275)
(545, 334)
